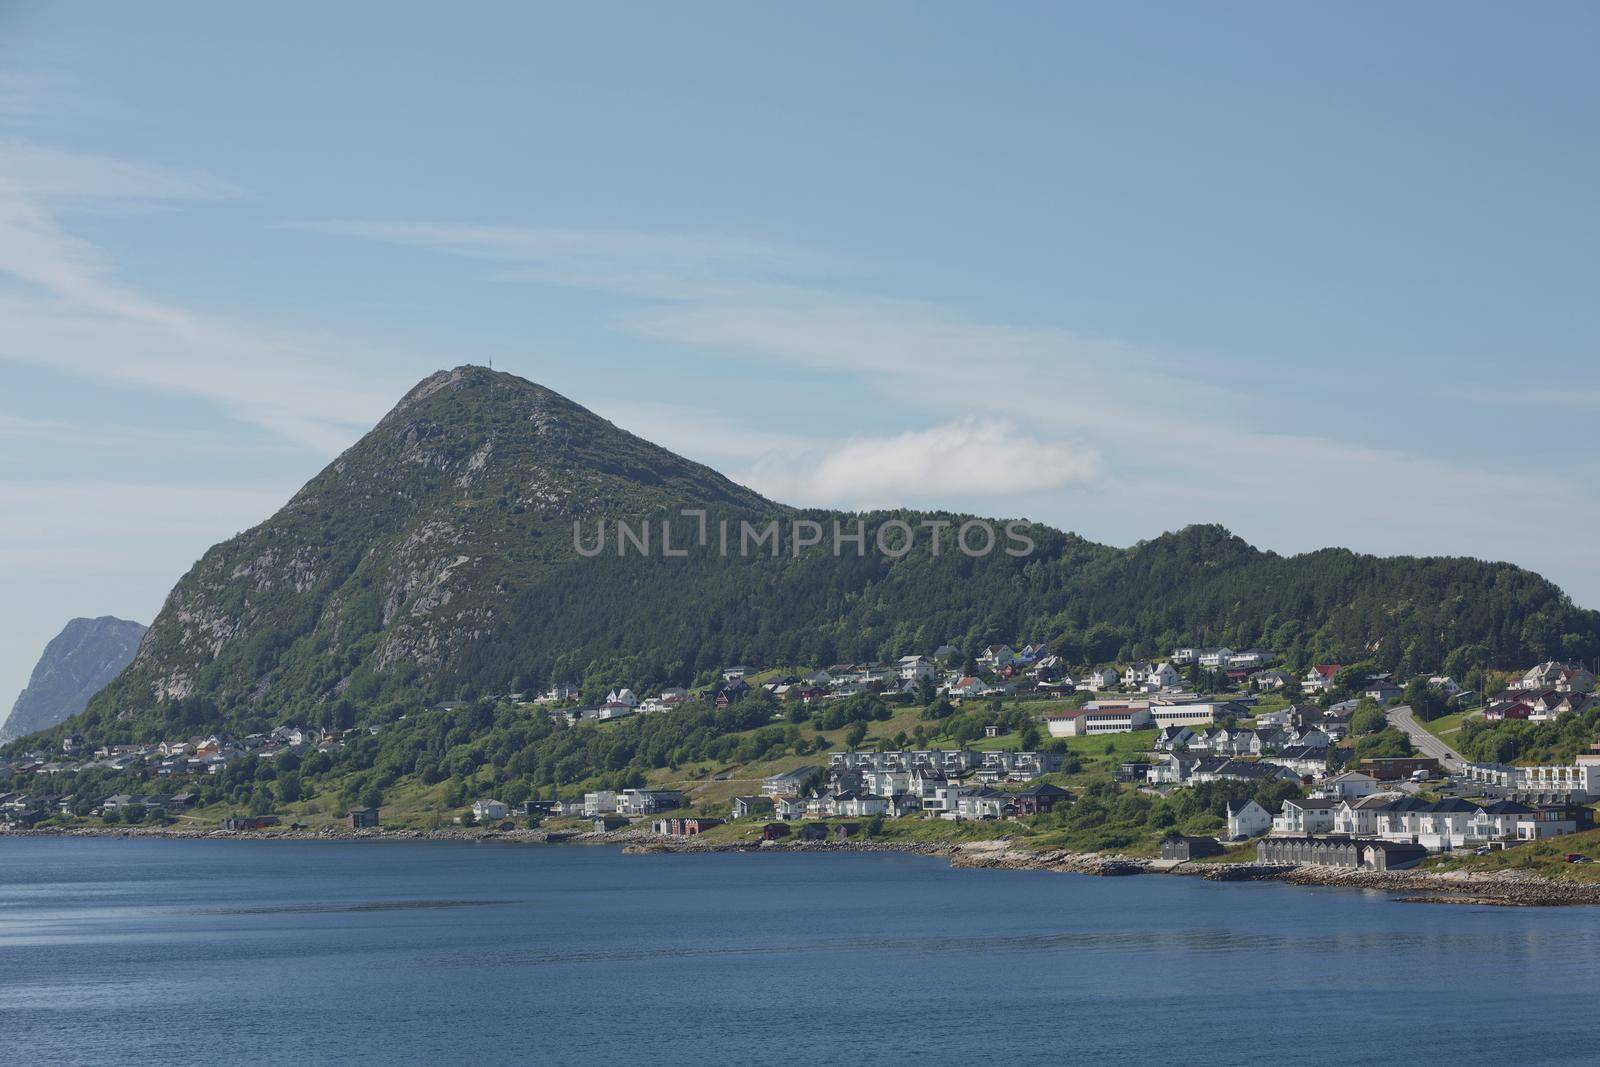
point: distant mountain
(75, 666)
(435, 559)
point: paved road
(1425, 742)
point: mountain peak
(437, 553)
(404, 549)
(76, 664)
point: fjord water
(141, 951)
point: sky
(1322, 273)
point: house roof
(1507, 807)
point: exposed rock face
(76, 665)
(403, 550)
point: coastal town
(1290, 780)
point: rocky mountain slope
(435, 559)
(76, 664)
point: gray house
(1179, 847)
(791, 783)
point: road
(1425, 742)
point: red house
(1502, 712)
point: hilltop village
(1211, 752)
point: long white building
(1089, 720)
(1579, 779)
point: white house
(1173, 739)
(1567, 677)
(1134, 674)
(1165, 676)
(981, 804)
(1185, 656)
(560, 693)
(1104, 677)
(915, 668)
(790, 783)
(940, 795)
(1319, 677)
(1358, 816)
(968, 687)
(1269, 679)
(785, 808)
(859, 805)
(1215, 659)
(489, 809)
(1247, 819)
(1445, 824)
(996, 656)
(623, 696)
(1299, 816)
(1351, 785)
(602, 802)
(1048, 666)
(1500, 820)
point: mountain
(76, 665)
(436, 559)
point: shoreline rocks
(1498, 888)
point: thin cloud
(1126, 440)
(960, 460)
(649, 266)
(66, 310)
(50, 174)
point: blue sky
(1324, 274)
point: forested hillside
(435, 559)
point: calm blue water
(203, 951)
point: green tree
(1368, 718)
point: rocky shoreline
(1499, 888)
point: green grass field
(1446, 727)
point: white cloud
(66, 310)
(654, 266)
(962, 459)
(37, 171)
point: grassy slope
(1446, 727)
(1543, 857)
